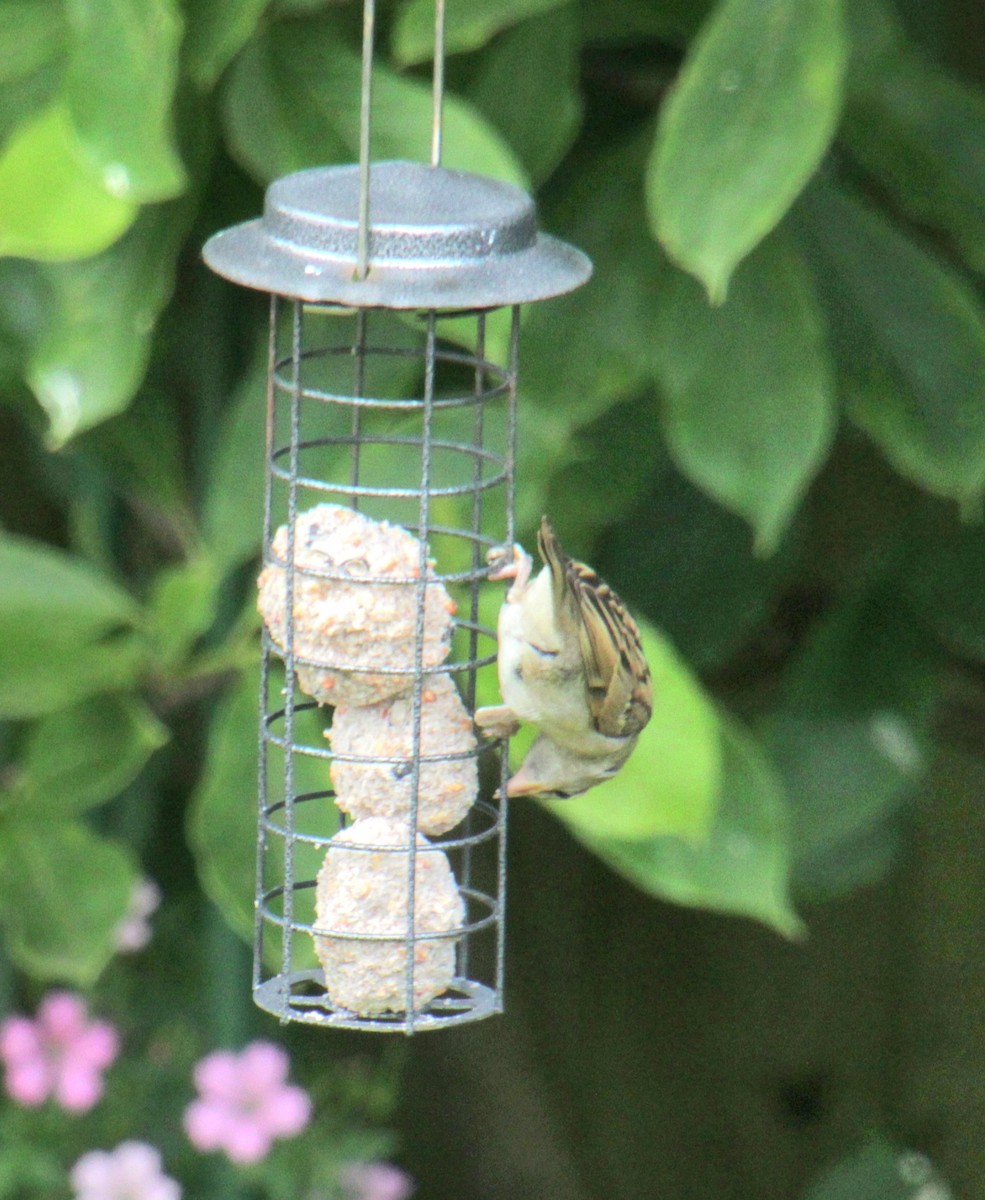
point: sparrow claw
(510, 562)
(496, 721)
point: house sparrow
(570, 661)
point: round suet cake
(361, 622)
(364, 892)
(447, 788)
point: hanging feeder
(389, 477)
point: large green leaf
(89, 361)
(182, 608)
(527, 86)
(216, 30)
(910, 336)
(80, 215)
(232, 520)
(753, 112)
(292, 101)
(623, 21)
(47, 586)
(59, 623)
(585, 350)
(467, 26)
(742, 866)
(63, 892)
(876, 1170)
(31, 34)
(919, 132)
(671, 782)
(750, 405)
(687, 564)
(851, 734)
(120, 82)
(83, 756)
(945, 583)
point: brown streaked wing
(616, 672)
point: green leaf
(232, 521)
(606, 475)
(945, 583)
(528, 87)
(120, 82)
(752, 115)
(671, 782)
(852, 737)
(216, 32)
(57, 621)
(84, 756)
(182, 608)
(910, 337)
(89, 361)
(621, 21)
(80, 216)
(222, 820)
(687, 564)
(876, 1170)
(63, 891)
(750, 405)
(588, 349)
(467, 26)
(742, 867)
(48, 587)
(32, 33)
(292, 101)
(918, 132)
(141, 454)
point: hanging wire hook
(365, 125)
(439, 82)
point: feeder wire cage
(390, 435)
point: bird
(571, 662)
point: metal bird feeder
(389, 476)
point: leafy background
(763, 421)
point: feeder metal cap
(437, 239)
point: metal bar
(365, 129)
(359, 392)
(424, 513)
(438, 89)
(263, 757)
(287, 957)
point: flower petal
(77, 1086)
(28, 1083)
(285, 1112)
(206, 1124)
(19, 1040)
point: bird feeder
(390, 437)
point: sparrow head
(557, 772)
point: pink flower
(134, 931)
(375, 1181)
(245, 1103)
(130, 1172)
(60, 1053)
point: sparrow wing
(620, 694)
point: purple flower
(134, 931)
(245, 1103)
(130, 1172)
(375, 1181)
(60, 1053)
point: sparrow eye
(543, 653)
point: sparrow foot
(510, 562)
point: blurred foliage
(763, 420)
